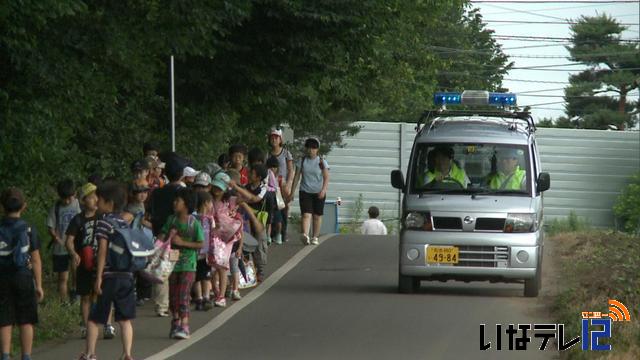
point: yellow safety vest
(501, 181)
(456, 175)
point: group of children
(205, 216)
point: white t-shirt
(373, 227)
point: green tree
(614, 67)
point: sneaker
(182, 333)
(236, 295)
(278, 239)
(87, 357)
(206, 305)
(221, 302)
(164, 313)
(140, 302)
(259, 278)
(305, 239)
(199, 305)
(83, 332)
(174, 328)
(268, 240)
(227, 293)
(109, 332)
(314, 241)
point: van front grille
(447, 223)
(490, 224)
(483, 256)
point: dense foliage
(84, 83)
(627, 207)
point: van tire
(532, 286)
(408, 284)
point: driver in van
(509, 175)
(445, 170)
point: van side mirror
(397, 180)
(544, 182)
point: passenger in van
(508, 176)
(445, 170)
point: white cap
(276, 132)
(189, 172)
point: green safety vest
(501, 181)
(456, 175)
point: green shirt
(191, 231)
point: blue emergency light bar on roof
(475, 97)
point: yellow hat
(87, 189)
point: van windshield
(502, 169)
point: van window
(471, 168)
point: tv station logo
(596, 328)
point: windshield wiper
(498, 192)
(444, 191)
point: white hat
(276, 132)
(189, 172)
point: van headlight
(418, 221)
(521, 223)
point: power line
(549, 38)
(546, 22)
(537, 91)
(526, 12)
(554, 1)
(551, 9)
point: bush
(627, 207)
(573, 223)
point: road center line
(227, 314)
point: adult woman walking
(313, 174)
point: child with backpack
(20, 274)
(60, 215)
(82, 246)
(121, 252)
(286, 172)
(138, 194)
(202, 286)
(228, 231)
(186, 234)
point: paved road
(340, 302)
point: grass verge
(597, 266)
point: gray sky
(511, 11)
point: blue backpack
(14, 245)
(129, 248)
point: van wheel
(408, 284)
(532, 286)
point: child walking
(60, 216)
(113, 286)
(373, 226)
(227, 255)
(186, 234)
(82, 246)
(202, 287)
(20, 274)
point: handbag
(279, 199)
(262, 215)
(248, 278)
(162, 262)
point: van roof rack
(429, 115)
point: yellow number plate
(442, 255)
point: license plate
(442, 255)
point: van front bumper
(482, 255)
